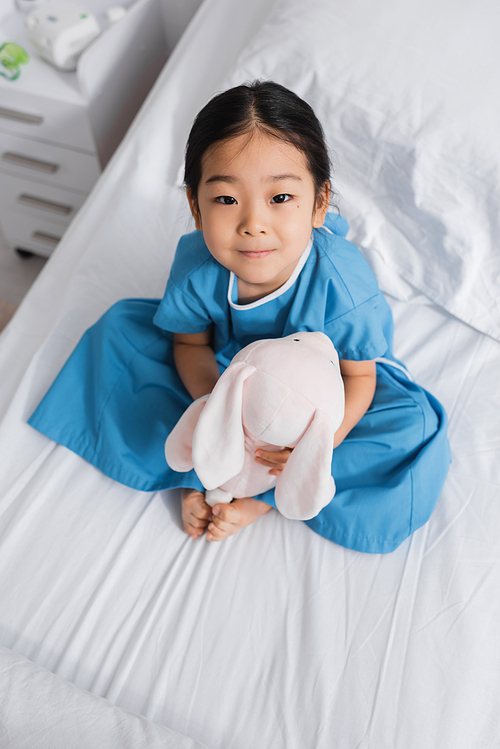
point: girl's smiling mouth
(255, 254)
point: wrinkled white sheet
(41, 710)
(275, 638)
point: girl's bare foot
(195, 512)
(228, 519)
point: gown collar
(275, 294)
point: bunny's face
(294, 376)
(273, 412)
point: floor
(16, 276)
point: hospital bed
(117, 629)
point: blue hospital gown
(118, 396)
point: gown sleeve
(183, 308)
(356, 316)
(180, 312)
(358, 334)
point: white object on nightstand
(61, 31)
(26, 6)
(115, 14)
(59, 129)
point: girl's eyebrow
(221, 178)
(280, 177)
(233, 180)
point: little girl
(266, 260)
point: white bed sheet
(276, 637)
(40, 710)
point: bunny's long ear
(218, 442)
(178, 447)
(306, 484)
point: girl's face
(256, 207)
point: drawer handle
(45, 205)
(49, 239)
(29, 163)
(13, 114)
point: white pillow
(38, 709)
(407, 92)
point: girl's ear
(322, 203)
(193, 204)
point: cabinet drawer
(57, 205)
(31, 233)
(47, 163)
(46, 119)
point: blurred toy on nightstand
(11, 57)
(26, 6)
(61, 31)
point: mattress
(118, 629)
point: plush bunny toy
(285, 392)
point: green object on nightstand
(11, 57)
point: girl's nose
(253, 223)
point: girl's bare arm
(360, 379)
(195, 362)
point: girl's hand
(275, 460)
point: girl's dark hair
(265, 106)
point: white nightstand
(58, 129)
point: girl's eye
(281, 198)
(225, 200)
